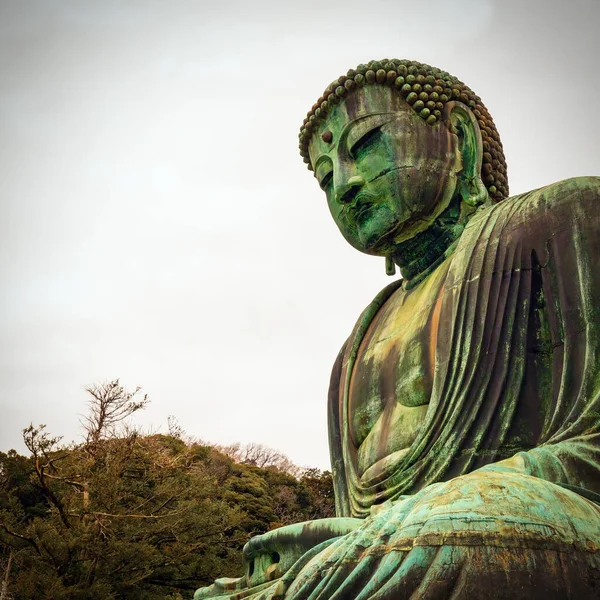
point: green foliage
(125, 515)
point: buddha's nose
(348, 191)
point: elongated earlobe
(463, 123)
(390, 267)
(473, 192)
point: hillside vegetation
(140, 517)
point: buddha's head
(393, 144)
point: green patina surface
(464, 409)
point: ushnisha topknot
(426, 89)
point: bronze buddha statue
(464, 409)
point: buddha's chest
(392, 379)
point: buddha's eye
(324, 171)
(365, 141)
(326, 180)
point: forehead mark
(327, 137)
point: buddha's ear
(461, 121)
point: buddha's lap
(464, 537)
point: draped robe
(519, 341)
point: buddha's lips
(362, 210)
(363, 203)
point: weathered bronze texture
(464, 408)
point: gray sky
(158, 224)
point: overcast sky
(158, 224)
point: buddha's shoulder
(555, 206)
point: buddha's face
(386, 173)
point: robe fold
(517, 361)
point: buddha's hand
(483, 526)
(270, 555)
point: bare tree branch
(260, 456)
(110, 405)
(40, 444)
(21, 537)
(132, 516)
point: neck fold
(420, 255)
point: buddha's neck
(420, 255)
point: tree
(319, 485)
(261, 456)
(138, 517)
(125, 515)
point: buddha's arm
(574, 465)
(565, 220)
